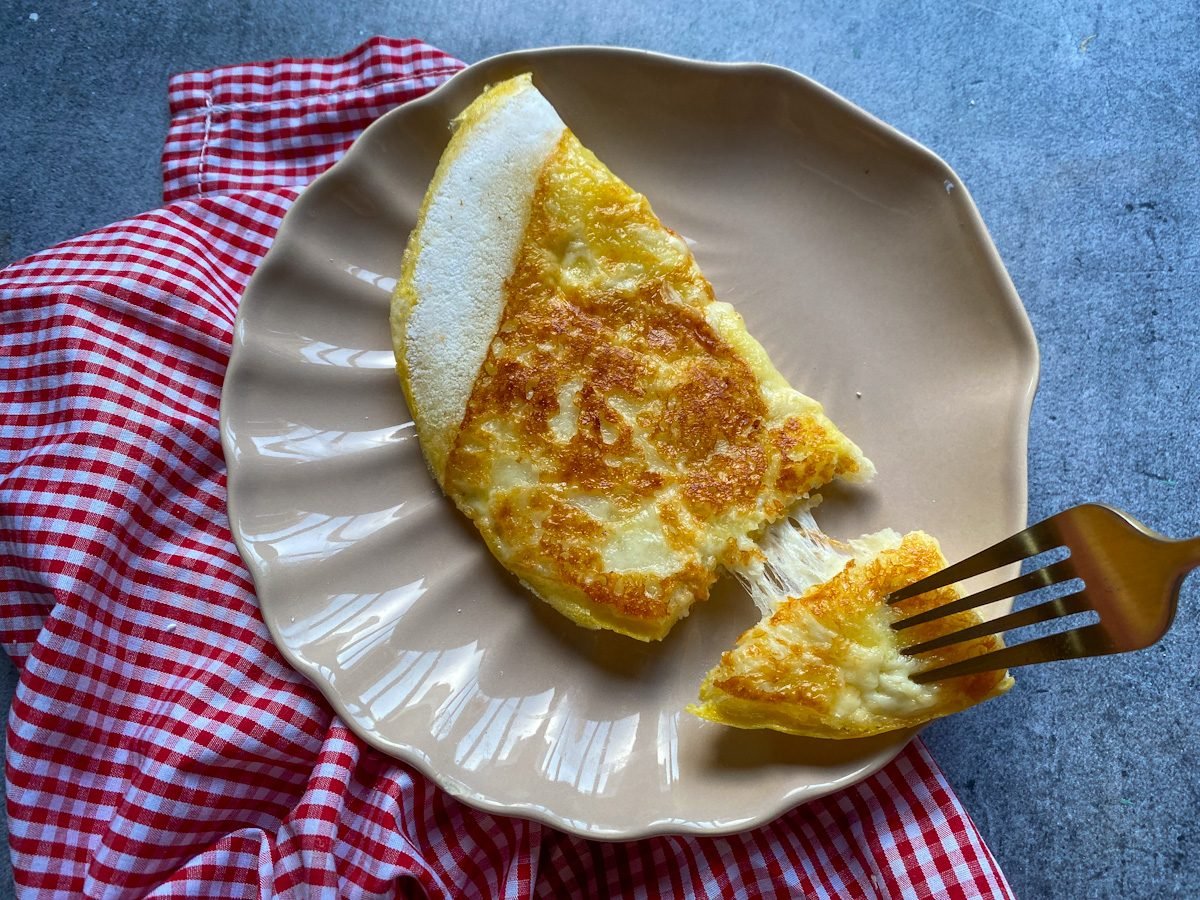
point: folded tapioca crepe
(611, 428)
(613, 431)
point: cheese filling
(874, 675)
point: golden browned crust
(828, 663)
(612, 409)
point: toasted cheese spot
(825, 661)
(652, 435)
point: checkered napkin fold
(158, 744)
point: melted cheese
(825, 661)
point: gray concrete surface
(1074, 124)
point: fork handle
(1188, 555)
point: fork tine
(1043, 612)
(1039, 578)
(1093, 640)
(1033, 540)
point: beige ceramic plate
(856, 257)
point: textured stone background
(1075, 126)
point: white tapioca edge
(448, 304)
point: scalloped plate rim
(410, 753)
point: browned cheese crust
(610, 411)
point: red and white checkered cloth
(158, 744)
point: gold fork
(1131, 578)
